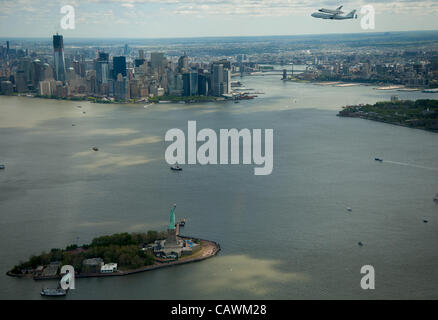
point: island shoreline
(212, 248)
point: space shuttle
(337, 11)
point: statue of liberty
(172, 218)
(172, 239)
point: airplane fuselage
(321, 15)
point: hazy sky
(191, 18)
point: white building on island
(109, 268)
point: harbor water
(287, 235)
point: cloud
(137, 141)
(182, 18)
(112, 132)
(223, 7)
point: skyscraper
(183, 63)
(121, 91)
(119, 66)
(190, 83)
(102, 68)
(221, 77)
(217, 78)
(58, 51)
(203, 84)
(194, 83)
(157, 59)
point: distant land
(419, 114)
(375, 39)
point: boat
(95, 148)
(176, 168)
(2, 166)
(57, 292)
(349, 209)
(378, 159)
(434, 199)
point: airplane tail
(352, 14)
(339, 9)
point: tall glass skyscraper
(58, 53)
(119, 66)
(102, 68)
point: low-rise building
(109, 268)
(92, 265)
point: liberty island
(131, 253)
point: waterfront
(283, 236)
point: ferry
(58, 292)
(431, 90)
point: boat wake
(410, 165)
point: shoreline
(208, 250)
(388, 122)
(152, 101)
(418, 114)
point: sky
(201, 18)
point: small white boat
(2, 167)
(349, 209)
(176, 168)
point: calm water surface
(283, 236)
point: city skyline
(204, 18)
